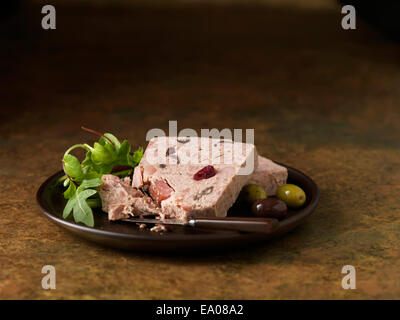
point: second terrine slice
(269, 175)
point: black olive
(270, 208)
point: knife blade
(258, 225)
(155, 221)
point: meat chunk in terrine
(269, 175)
(121, 200)
(168, 167)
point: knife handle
(258, 225)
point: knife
(258, 225)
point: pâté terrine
(168, 167)
(183, 177)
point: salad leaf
(68, 207)
(82, 179)
(102, 155)
(114, 140)
(70, 192)
(73, 168)
(92, 183)
(123, 153)
(133, 160)
(82, 211)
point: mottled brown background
(321, 99)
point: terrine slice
(169, 165)
(269, 175)
(120, 200)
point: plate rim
(290, 222)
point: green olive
(292, 195)
(253, 192)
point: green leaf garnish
(133, 160)
(72, 167)
(82, 211)
(92, 183)
(114, 139)
(83, 179)
(70, 192)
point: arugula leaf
(90, 174)
(68, 207)
(72, 167)
(94, 203)
(82, 211)
(133, 160)
(78, 202)
(123, 153)
(82, 179)
(92, 183)
(102, 154)
(114, 139)
(92, 167)
(87, 162)
(70, 192)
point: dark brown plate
(128, 236)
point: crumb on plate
(159, 228)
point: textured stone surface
(320, 99)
